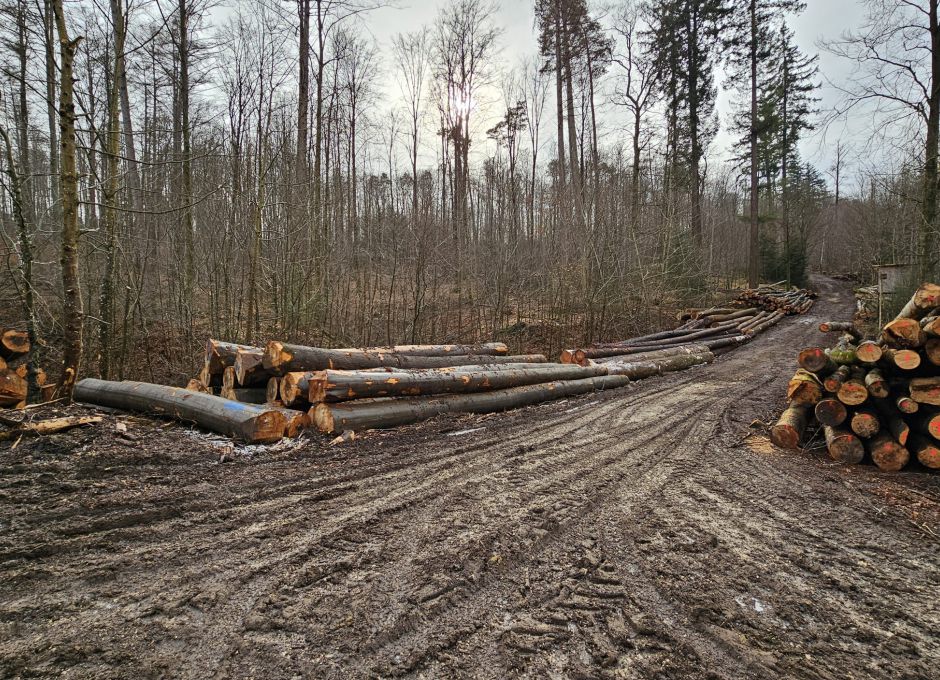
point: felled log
(815, 360)
(364, 415)
(651, 355)
(12, 388)
(926, 390)
(868, 352)
(844, 351)
(931, 326)
(904, 359)
(13, 343)
(926, 450)
(928, 423)
(247, 422)
(50, 426)
(249, 371)
(196, 385)
(904, 334)
(896, 425)
(864, 423)
(336, 386)
(853, 392)
(764, 325)
(876, 384)
(906, 405)
(887, 453)
(220, 354)
(843, 446)
(925, 298)
(834, 381)
(831, 412)
(637, 370)
(272, 390)
(789, 428)
(840, 327)
(281, 358)
(804, 389)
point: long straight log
(664, 353)
(843, 446)
(636, 370)
(336, 386)
(622, 350)
(765, 324)
(247, 422)
(840, 327)
(280, 358)
(887, 453)
(364, 415)
(789, 428)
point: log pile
(717, 329)
(14, 352)
(772, 299)
(872, 398)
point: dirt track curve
(647, 533)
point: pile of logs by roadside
(716, 329)
(771, 299)
(875, 398)
(14, 352)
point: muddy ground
(651, 532)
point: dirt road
(647, 533)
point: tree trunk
(220, 354)
(753, 260)
(927, 451)
(246, 422)
(72, 312)
(366, 415)
(887, 453)
(831, 412)
(928, 229)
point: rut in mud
(648, 532)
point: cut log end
(887, 453)
(843, 446)
(789, 428)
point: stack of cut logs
(771, 299)
(872, 398)
(260, 394)
(14, 351)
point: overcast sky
(823, 19)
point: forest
(177, 170)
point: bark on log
(840, 327)
(904, 334)
(887, 453)
(869, 352)
(831, 412)
(926, 390)
(865, 423)
(843, 352)
(336, 386)
(926, 450)
(905, 359)
(247, 422)
(364, 415)
(636, 370)
(843, 446)
(925, 298)
(13, 343)
(51, 426)
(765, 324)
(931, 326)
(651, 355)
(789, 428)
(804, 389)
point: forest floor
(650, 532)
